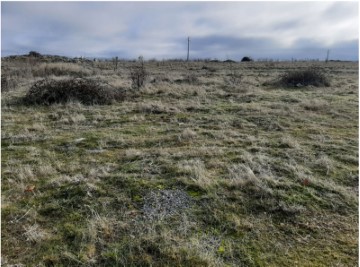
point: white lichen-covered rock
(165, 203)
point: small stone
(76, 141)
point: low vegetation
(138, 74)
(85, 91)
(60, 69)
(178, 173)
(7, 83)
(309, 76)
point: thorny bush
(310, 76)
(86, 91)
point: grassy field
(203, 166)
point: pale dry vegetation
(60, 69)
(204, 164)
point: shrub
(86, 91)
(138, 74)
(246, 59)
(34, 54)
(310, 76)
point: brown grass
(246, 174)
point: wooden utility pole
(187, 59)
(327, 55)
(116, 59)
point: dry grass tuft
(187, 134)
(316, 105)
(241, 176)
(325, 164)
(196, 170)
(35, 234)
(60, 69)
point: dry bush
(86, 91)
(310, 76)
(60, 69)
(138, 74)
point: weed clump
(86, 91)
(298, 78)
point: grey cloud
(205, 22)
(229, 42)
(310, 49)
(286, 25)
(341, 10)
(345, 50)
(227, 46)
(160, 29)
(224, 46)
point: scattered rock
(165, 203)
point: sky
(159, 30)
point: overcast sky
(223, 30)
